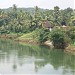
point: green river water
(16, 58)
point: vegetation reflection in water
(26, 59)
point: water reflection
(24, 59)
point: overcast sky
(47, 4)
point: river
(18, 58)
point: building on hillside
(63, 23)
(64, 26)
(48, 25)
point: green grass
(74, 43)
(32, 35)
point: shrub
(59, 39)
(71, 33)
(44, 33)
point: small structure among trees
(48, 25)
(63, 23)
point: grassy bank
(10, 36)
(31, 38)
(31, 35)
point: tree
(56, 15)
(71, 33)
(59, 39)
(14, 7)
(37, 16)
(44, 35)
(66, 15)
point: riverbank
(29, 39)
(9, 36)
(70, 49)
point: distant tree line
(21, 21)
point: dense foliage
(43, 35)
(21, 20)
(59, 38)
(71, 33)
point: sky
(46, 4)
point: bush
(44, 33)
(59, 39)
(71, 33)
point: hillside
(29, 10)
